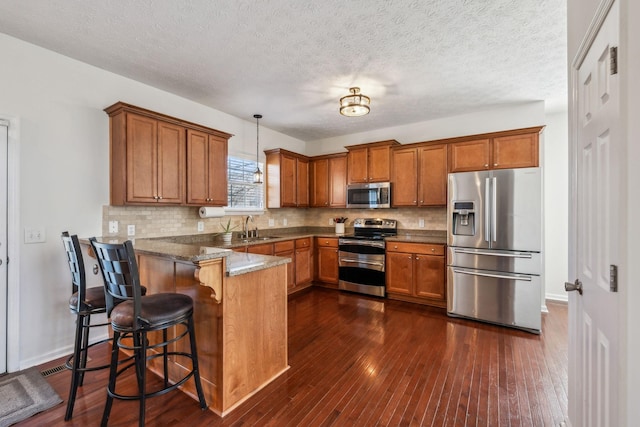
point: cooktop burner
(373, 228)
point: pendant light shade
(355, 104)
(257, 175)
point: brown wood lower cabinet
(327, 261)
(287, 249)
(304, 262)
(416, 272)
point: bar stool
(84, 303)
(133, 319)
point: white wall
(64, 171)
(555, 159)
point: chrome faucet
(245, 232)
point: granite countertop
(201, 247)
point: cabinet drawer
(303, 243)
(416, 248)
(283, 246)
(329, 242)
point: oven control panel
(374, 223)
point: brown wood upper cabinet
(500, 150)
(287, 179)
(149, 157)
(419, 175)
(328, 181)
(370, 162)
(206, 169)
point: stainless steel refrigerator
(494, 260)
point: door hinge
(613, 52)
(613, 278)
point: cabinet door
(399, 274)
(198, 168)
(142, 159)
(516, 151)
(319, 183)
(328, 265)
(217, 182)
(291, 278)
(288, 181)
(432, 181)
(379, 163)
(171, 163)
(302, 189)
(304, 267)
(405, 177)
(357, 165)
(469, 155)
(338, 182)
(429, 276)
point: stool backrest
(119, 268)
(76, 266)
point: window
(242, 192)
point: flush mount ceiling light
(354, 105)
(257, 175)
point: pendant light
(257, 175)
(355, 104)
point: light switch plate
(284, 222)
(34, 235)
(272, 222)
(421, 223)
(330, 221)
(131, 230)
(200, 225)
(113, 226)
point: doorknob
(576, 286)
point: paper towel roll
(211, 212)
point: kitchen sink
(260, 239)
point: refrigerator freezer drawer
(497, 297)
(491, 259)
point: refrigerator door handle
(494, 210)
(526, 255)
(487, 209)
(493, 275)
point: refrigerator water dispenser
(464, 219)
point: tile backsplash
(159, 221)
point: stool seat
(156, 310)
(93, 300)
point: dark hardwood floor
(364, 361)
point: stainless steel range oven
(361, 260)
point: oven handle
(493, 275)
(357, 261)
(356, 242)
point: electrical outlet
(113, 226)
(200, 225)
(284, 222)
(34, 235)
(330, 221)
(131, 230)
(272, 222)
(421, 223)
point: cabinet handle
(417, 258)
(410, 257)
(486, 165)
(159, 197)
(495, 164)
(433, 250)
(395, 247)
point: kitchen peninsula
(240, 313)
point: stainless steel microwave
(369, 196)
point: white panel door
(594, 320)
(4, 127)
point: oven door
(361, 267)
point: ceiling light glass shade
(257, 175)
(354, 105)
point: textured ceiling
(291, 60)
